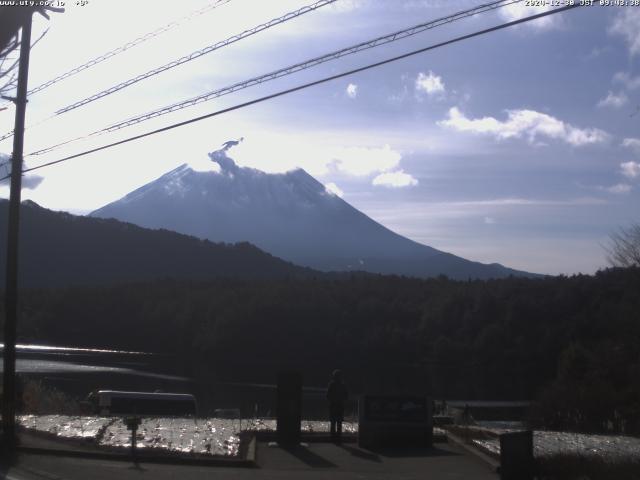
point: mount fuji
(290, 215)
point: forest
(59, 249)
(568, 343)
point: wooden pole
(11, 285)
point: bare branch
(9, 69)
(40, 38)
(623, 249)
(8, 85)
(11, 46)
(7, 73)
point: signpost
(132, 424)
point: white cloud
(399, 96)
(417, 210)
(517, 11)
(627, 80)
(319, 154)
(489, 220)
(430, 83)
(363, 161)
(29, 181)
(618, 189)
(521, 202)
(579, 137)
(525, 123)
(598, 52)
(632, 143)
(352, 90)
(333, 189)
(630, 169)
(345, 6)
(397, 179)
(614, 100)
(627, 24)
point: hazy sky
(520, 147)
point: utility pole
(11, 285)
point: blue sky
(520, 147)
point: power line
(392, 37)
(306, 85)
(114, 52)
(197, 54)
(129, 45)
(39, 122)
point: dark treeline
(570, 342)
(60, 249)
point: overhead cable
(113, 53)
(197, 54)
(306, 85)
(391, 37)
(129, 45)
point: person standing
(337, 395)
(466, 414)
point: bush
(576, 467)
(39, 399)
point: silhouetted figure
(337, 394)
(92, 402)
(466, 414)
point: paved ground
(318, 461)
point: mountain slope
(59, 249)
(289, 215)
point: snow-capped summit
(290, 215)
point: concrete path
(317, 461)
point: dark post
(11, 286)
(289, 408)
(132, 424)
(516, 456)
(134, 439)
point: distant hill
(60, 249)
(289, 215)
